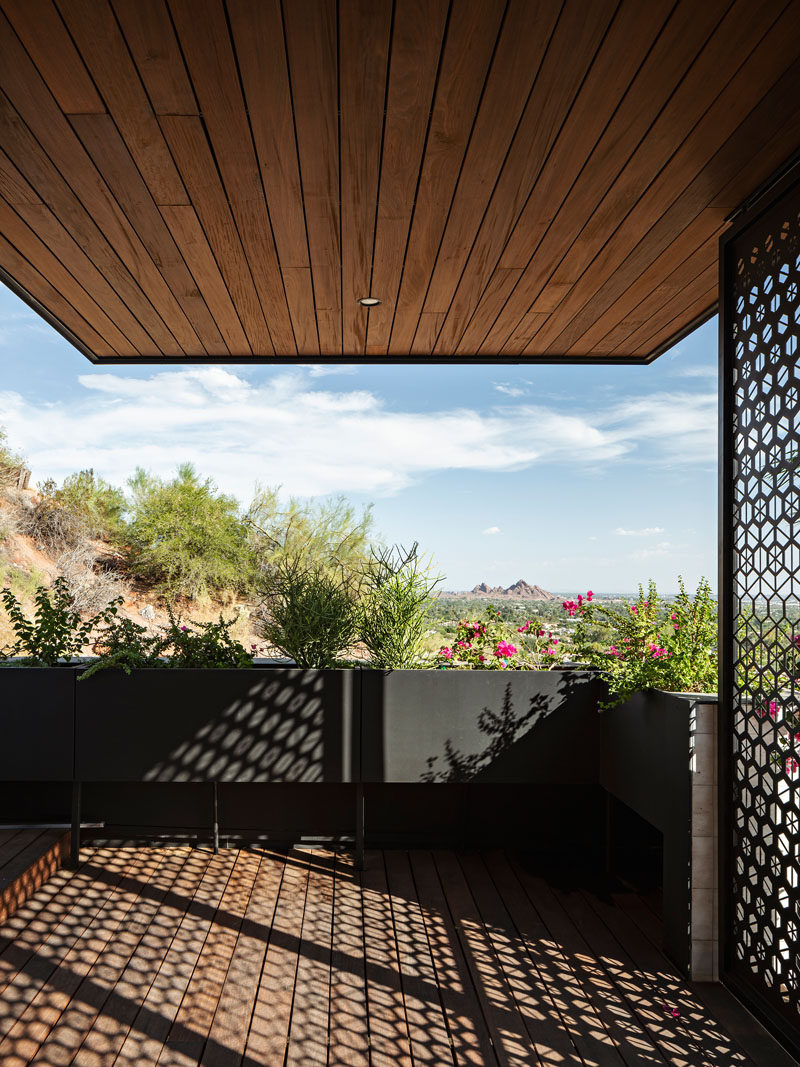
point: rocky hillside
(97, 575)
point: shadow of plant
(502, 729)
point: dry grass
(91, 590)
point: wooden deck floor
(162, 955)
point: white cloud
(311, 439)
(509, 390)
(663, 548)
(699, 372)
(323, 370)
(682, 427)
(492, 530)
(647, 531)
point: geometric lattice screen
(761, 324)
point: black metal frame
(758, 213)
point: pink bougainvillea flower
(505, 649)
(792, 765)
(589, 594)
(774, 708)
(446, 652)
(481, 659)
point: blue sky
(570, 477)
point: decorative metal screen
(761, 504)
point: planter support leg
(75, 829)
(360, 827)
(609, 834)
(215, 822)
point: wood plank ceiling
(522, 180)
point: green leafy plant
(491, 643)
(56, 633)
(309, 610)
(202, 644)
(396, 594)
(186, 537)
(125, 645)
(650, 644)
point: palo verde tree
(186, 537)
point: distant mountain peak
(521, 590)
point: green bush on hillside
(186, 537)
(83, 508)
(309, 529)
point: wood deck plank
(471, 1039)
(110, 1028)
(12, 842)
(427, 1025)
(388, 1027)
(189, 1032)
(540, 1005)
(637, 1047)
(43, 931)
(576, 1011)
(308, 1035)
(30, 868)
(697, 1036)
(349, 1025)
(269, 1028)
(175, 955)
(152, 1023)
(51, 996)
(228, 1035)
(509, 1034)
(92, 996)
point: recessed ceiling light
(369, 301)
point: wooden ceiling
(521, 180)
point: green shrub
(186, 537)
(125, 645)
(83, 508)
(309, 529)
(310, 610)
(396, 594)
(56, 632)
(650, 644)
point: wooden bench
(28, 857)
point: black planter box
(255, 725)
(480, 726)
(37, 718)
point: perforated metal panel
(761, 505)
